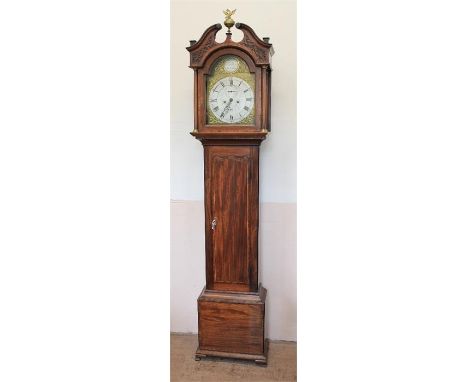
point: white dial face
(231, 99)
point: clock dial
(231, 99)
(230, 91)
(231, 65)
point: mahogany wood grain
(235, 328)
(231, 200)
(232, 322)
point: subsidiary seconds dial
(231, 99)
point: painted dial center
(231, 99)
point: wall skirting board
(277, 243)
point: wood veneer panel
(231, 198)
(229, 205)
(234, 328)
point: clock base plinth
(259, 359)
(232, 325)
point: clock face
(230, 92)
(231, 99)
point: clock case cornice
(257, 54)
(259, 50)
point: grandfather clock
(232, 118)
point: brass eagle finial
(229, 22)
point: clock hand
(230, 100)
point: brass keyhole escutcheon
(213, 223)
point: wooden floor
(281, 364)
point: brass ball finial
(228, 21)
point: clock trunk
(231, 217)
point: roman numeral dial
(231, 99)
